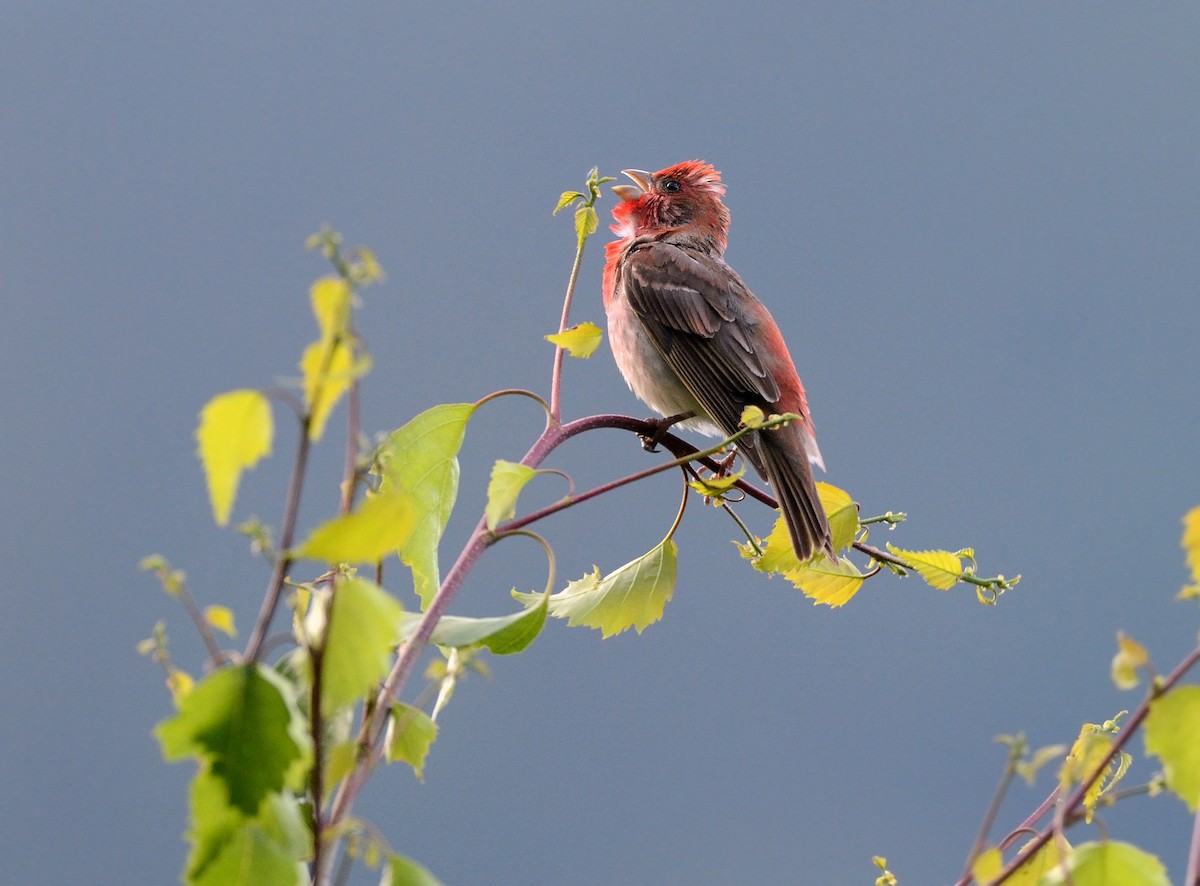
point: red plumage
(690, 337)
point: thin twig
(1192, 878)
(1072, 802)
(350, 473)
(882, 556)
(316, 655)
(556, 370)
(206, 634)
(985, 827)
(1028, 825)
(283, 562)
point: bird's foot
(661, 426)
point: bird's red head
(685, 197)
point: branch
(1156, 690)
(1193, 867)
(556, 371)
(283, 562)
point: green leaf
(586, 222)
(630, 597)
(502, 635)
(508, 479)
(402, 871)
(231, 849)
(339, 761)
(940, 569)
(832, 582)
(235, 432)
(364, 626)
(243, 722)
(413, 732)
(1171, 730)
(841, 512)
(421, 458)
(379, 526)
(579, 341)
(1108, 864)
(566, 199)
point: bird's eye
(670, 186)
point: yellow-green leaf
(508, 479)
(987, 865)
(586, 222)
(566, 199)
(630, 597)
(1042, 861)
(403, 871)
(832, 582)
(180, 684)
(329, 368)
(413, 732)
(422, 459)
(365, 267)
(364, 626)
(1130, 658)
(713, 486)
(235, 431)
(1088, 751)
(1110, 863)
(331, 300)
(752, 417)
(778, 555)
(502, 634)
(221, 618)
(1029, 768)
(940, 569)
(841, 512)
(379, 526)
(578, 341)
(1171, 734)
(339, 761)
(1191, 548)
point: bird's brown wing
(688, 303)
(697, 312)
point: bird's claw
(661, 427)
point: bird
(696, 345)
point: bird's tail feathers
(785, 455)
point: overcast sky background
(977, 224)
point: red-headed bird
(692, 339)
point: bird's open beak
(641, 184)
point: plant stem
(1193, 867)
(283, 561)
(316, 656)
(1076, 798)
(353, 431)
(202, 626)
(556, 370)
(989, 817)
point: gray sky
(977, 225)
